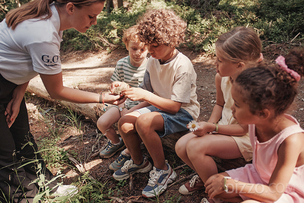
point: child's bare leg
(200, 150)
(146, 126)
(105, 123)
(181, 146)
(126, 128)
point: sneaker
(158, 182)
(205, 200)
(193, 185)
(119, 162)
(66, 190)
(111, 149)
(130, 168)
(214, 200)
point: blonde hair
(38, 8)
(162, 26)
(241, 44)
(131, 34)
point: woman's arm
(54, 86)
(218, 108)
(288, 154)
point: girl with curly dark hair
(262, 96)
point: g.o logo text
(48, 59)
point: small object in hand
(193, 126)
(118, 89)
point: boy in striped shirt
(129, 70)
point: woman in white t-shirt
(30, 39)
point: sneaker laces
(154, 176)
(109, 145)
(194, 179)
(120, 158)
(127, 165)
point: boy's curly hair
(162, 26)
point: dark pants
(17, 149)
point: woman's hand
(13, 107)
(12, 111)
(214, 185)
(204, 128)
(113, 99)
(137, 94)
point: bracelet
(100, 98)
(216, 127)
(150, 96)
(225, 187)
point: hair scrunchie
(281, 62)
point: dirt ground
(88, 141)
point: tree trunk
(119, 3)
(110, 5)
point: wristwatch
(225, 187)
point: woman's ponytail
(31, 10)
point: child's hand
(117, 87)
(137, 94)
(204, 128)
(214, 185)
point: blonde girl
(221, 136)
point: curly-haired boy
(169, 100)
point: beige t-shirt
(175, 80)
(243, 142)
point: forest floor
(83, 142)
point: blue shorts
(173, 123)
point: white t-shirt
(175, 80)
(32, 48)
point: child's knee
(180, 147)
(124, 125)
(193, 148)
(103, 124)
(143, 124)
